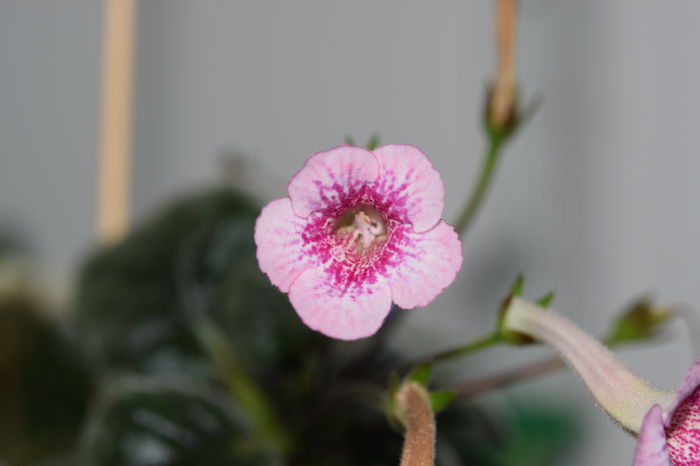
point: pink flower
(359, 230)
(672, 436)
(667, 423)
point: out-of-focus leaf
(516, 288)
(640, 321)
(44, 384)
(373, 142)
(421, 374)
(440, 399)
(546, 300)
(541, 433)
(57, 386)
(536, 434)
(130, 314)
(219, 277)
(169, 422)
(20, 329)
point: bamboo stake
(118, 40)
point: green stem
(471, 347)
(244, 390)
(477, 196)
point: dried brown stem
(477, 387)
(503, 92)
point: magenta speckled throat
(360, 229)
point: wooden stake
(118, 40)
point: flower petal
(691, 381)
(408, 186)
(279, 241)
(424, 264)
(682, 421)
(651, 446)
(332, 177)
(355, 313)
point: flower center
(364, 224)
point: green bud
(510, 336)
(640, 321)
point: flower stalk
(623, 395)
(476, 197)
(413, 408)
(469, 348)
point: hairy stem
(416, 413)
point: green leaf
(421, 374)
(373, 142)
(639, 322)
(169, 422)
(541, 435)
(440, 399)
(219, 279)
(516, 288)
(130, 311)
(44, 384)
(532, 432)
(393, 385)
(57, 386)
(546, 300)
(507, 335)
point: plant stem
(416, 414)
(473, 388)
(485, 176)
(479, 386)
(243, 389)
(471, 347)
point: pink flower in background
(672, 436)
(667, 423)
(360, 229)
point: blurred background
(595, 197)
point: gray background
(596, 198)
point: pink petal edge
(427, 263)
(279, 243)
(329, 177)
(348, 316)
(651, 447)
(691, 381)
(409, 185)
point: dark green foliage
(130, 312)
(196, 263)
(44, 384)
(171, 422)
(57, 383)
(196, 359)
(533, 434)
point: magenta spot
(684, 432)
